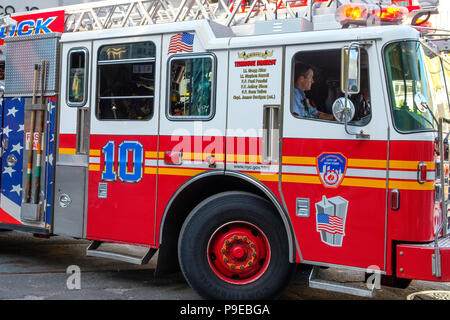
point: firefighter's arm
(324, 116)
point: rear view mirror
(350, 69)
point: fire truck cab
(235, 151)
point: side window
(77, 82)
(126, 81)
(316, 85)
(191, 87)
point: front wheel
(233, 246)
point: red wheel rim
(238, 252)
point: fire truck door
(123, 138)
(73, 154)
(334, 183)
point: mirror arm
(361, 134)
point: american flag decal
(331, 224)
(181, 42)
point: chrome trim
(436, 257)
(125, 97)
(271, 134)
(419, 170)
(314, 281)
(93, 251)
(119, 61)
(386, 205)
(86, 76)
(185, 56)
(395, 206)
(438, 189)
(384, 66)
(338, 266)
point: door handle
(270, 139)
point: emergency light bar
(368, 14)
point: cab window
(316, 85)
(77, 81)
(191, 87)
(126, 81)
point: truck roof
(216, 37)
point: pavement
(58, 269)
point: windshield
(413, 69)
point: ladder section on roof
(126, 13)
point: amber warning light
(366, 14)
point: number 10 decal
(125, 173)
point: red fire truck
(237, 140)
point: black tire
(207, 225)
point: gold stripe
(364, 163)
(94, 152)
(348, 182)
(399, 164)
(201, 156)
(67, 151)
(410, 185)
(94, 167)
(186, 155)
(264, 177)
(243, 158)
(368, 183)
(356, 182)
(153, 154)
(149, 170)
(301, 179)
(179, 172)
(367, 163)
(299, 160)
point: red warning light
(361, 14)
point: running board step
(315, 282)
(121, 252)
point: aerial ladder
(100, 15)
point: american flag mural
(49, 159)
(11, 180)
(181, 42)
(12, 187)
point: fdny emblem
(331, 168)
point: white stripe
(362, 173)
(10, 207)
(184, 164)
(150, 163)
(263, 168)
(94, 159)
(300, 169)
